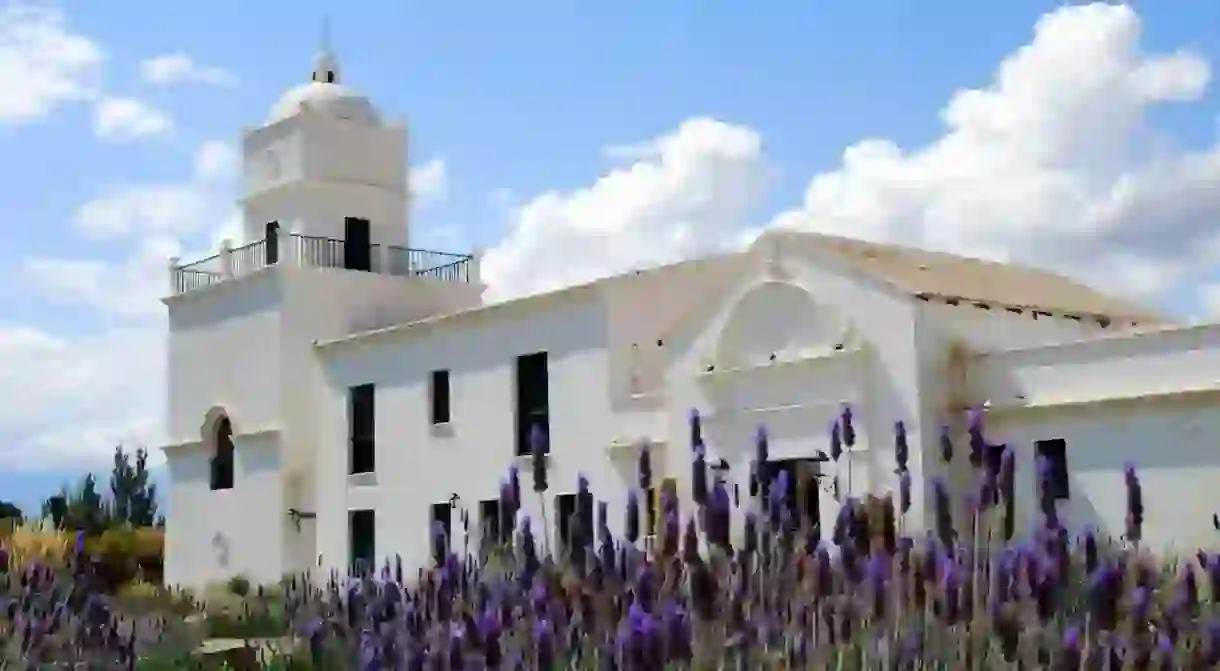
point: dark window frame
(440, 397)
(362, 429)
(1055, 451)
(532, 402)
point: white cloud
(429, 182)
(117, 118)
(169, 207)
(179, 68)
(43, 63)
(216, 160)
(1053, 163)
(71, 400)
(691, 193)
(1209, 301)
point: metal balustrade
(319, 252)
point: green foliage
(9, 510)
(133, 499)
(239, 585)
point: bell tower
(326, 158)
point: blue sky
(540, 130)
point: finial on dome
(325, 67)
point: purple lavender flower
(538, 450)
(901, 450)
(904, 492)
(699, 476)
(632, 520)
(696, 429)
(644, 468)
(946, 444)
(849, 429)
(836, 440)
(1135, 505)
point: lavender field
(778, 593)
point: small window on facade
(489, 522)
(1055, 452)
(652, 504)
(362, 540)
(533, 402)
(440, 397)
(222, 458)
(361, 429)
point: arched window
(222, 459)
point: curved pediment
(778, 320)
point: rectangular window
(440, 397)
(361, 429)
(443, 513)
(533, 405)
(1055, 452)
(362, 540)
(489, 522)
(565, 508)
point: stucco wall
(224, 349)
(797, 396)
(204, 541)
(1147, 399)
(417, 465)
(1172, 444)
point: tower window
(330, 76)
(440, 397)
(361, 429)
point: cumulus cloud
(123, 119)
(1053, 163)
(429, 182)
(172, 207)
(179, 68)
(71, 400)
(689, 193)
(43, 63)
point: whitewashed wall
(418, 465)
(1148, 399)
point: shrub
(239, 585)
(37, 541)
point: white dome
(319, 97)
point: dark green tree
(80, 508)
(133, 497)
(9, 510)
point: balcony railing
(320, 252)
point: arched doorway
(222, 457)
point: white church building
(333, 391)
